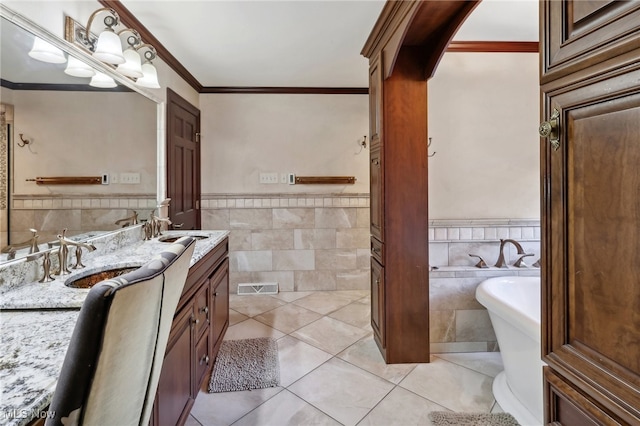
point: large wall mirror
(56, 125)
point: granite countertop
(37, 319)
(55, 294)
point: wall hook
(429, 145)
(362, 144)
(24, 141)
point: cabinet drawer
(202, 310)
(377, 250)
(203, 361)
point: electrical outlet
(283, 178)
(268, 177)
(105, 178)
(129, 178)
(291, 179)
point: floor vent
(257, 288)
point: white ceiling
(297, 43)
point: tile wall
(301, 241)
(79, 214)
(458, 323)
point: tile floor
(332, 373)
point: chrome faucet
(131, 220)
(63, 252)
(46, 265)
(32, 243)
(501, 262)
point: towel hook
(429, 145)
(24, 141)
(362, 144)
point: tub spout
(501, 263)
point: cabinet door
(376, 197)
(581, 33)
(220, 303)
(375, 102)
(377, 302)
(591, 240)
(175, 398)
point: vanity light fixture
(150, 74)
(46, 52)
(102, 81)
(133, 64)
(108, 47)
(77, 68)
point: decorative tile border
(93, 201)
(256, 201)
(484, 230)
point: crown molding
(289, 90)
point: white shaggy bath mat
(448, 418)
(246, 364)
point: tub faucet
(503, 242)
(32, 243)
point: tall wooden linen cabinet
(590, 79)
(398, 196)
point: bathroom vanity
(38, 320)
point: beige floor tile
(366, 355)
(192, 422)
(402, 408)
(290, 296)
(342, 390)
(224, 408)
(452, 386)
(236, 317)
(329, 334)
(297, 359)
(353, 295)
(323, 302)
(288, 318)
(286, 409)
(252, 305)
(489, 363)
(251, 329)
(356, 314)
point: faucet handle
(519, 263)
(481, 263)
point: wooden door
(591, 213)
(183, 162)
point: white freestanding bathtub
(514, 308)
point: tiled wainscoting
(79, 214)
(458, 323)
(301, 241)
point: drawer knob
(204, 360)
(205, 310)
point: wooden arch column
(403, 49)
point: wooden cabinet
(220, 304)
(377, 301)
(197, 331)
(398, 198)
(591, 213)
